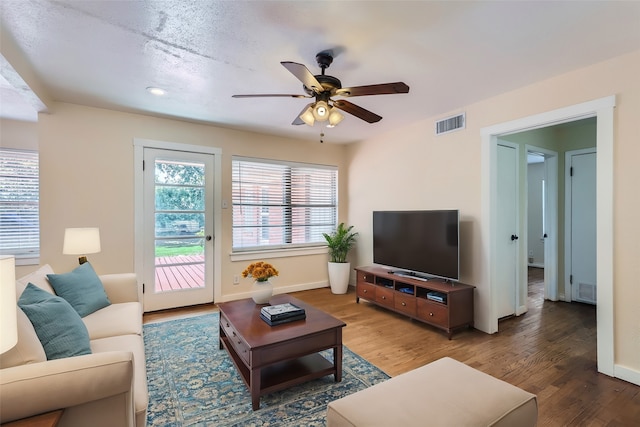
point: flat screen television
(421, 244)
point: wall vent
(450, 124)
(587, 292)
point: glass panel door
(178, 238)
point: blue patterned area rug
(193, 383)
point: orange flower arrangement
(261, 271)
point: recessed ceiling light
(156, 91)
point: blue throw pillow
(82, 288)
(58, 326)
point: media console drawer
(433, 312)
(405, 303)
(409, 296)
(366, 291)
(384, 296)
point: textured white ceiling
(451, 54)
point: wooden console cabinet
(439, 303)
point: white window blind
(281, 204)
(19, 204)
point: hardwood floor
(549, 351)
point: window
(282, 204)
(19, 205)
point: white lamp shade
(8, 320)
(307, 116)
(334, 117)
(81, 241)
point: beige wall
(18, 134)
(411, 168)
(87, 179)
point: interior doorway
(536, 190)
(543, 210)
(543, 231)
(536, 235)
(603, 110)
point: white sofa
(105, 388)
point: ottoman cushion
(443, 393)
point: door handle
(544, 236)
(208, 238)
(514, 237)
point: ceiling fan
(323, 87)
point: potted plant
(340, 243)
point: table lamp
(81, 241)
(8, 319)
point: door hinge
(571, 171)
(571, 279)
(143, 165)
(143, 288)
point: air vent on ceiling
(450, 124)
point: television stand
(437, 302)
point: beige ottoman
(443, 393)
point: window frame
(283, 249)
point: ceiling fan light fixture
(334, 117)
(321, 111)
(307, 116)
(323, 87)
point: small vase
(262, 292)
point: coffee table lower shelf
(281, 375)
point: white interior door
(178, 230)
(550, 229)
(507, 229)
(582, 271)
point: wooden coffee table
(271, 358)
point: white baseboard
(300, 287)
(626, 374)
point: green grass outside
(180, 250)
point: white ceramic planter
(339, 277)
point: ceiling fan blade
(269, 95)
(380, 89)
(303, 74)
(298, 120)
(359, 112)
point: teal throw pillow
(82, 288)
(58, 326)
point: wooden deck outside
(179, 272)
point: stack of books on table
(281, 313)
